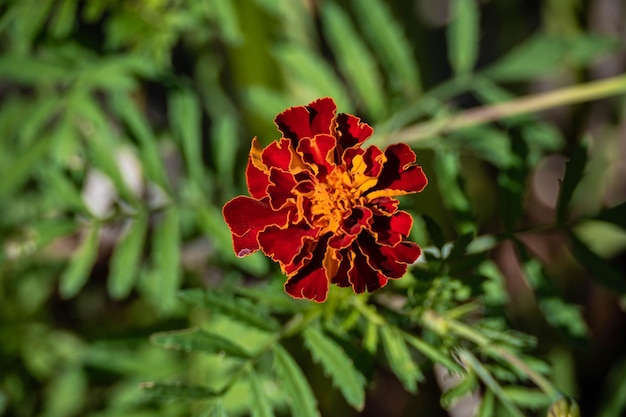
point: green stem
(530, 104)
(442, 325)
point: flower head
(323, 207)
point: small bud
(564, 407)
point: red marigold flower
(323, 207)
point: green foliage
(125, 126)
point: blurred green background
(125, 126)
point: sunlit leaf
(399, 358)
(198, 340)
(527, 397)
(124, 264)
(77, 272)
(463, 35)
(337, 365)
(293, 382)
(432, 353)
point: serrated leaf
(527, 397)
(337, 365)
(261, 407)
(164, 391)
(166, 253)
(399, 358)
(185, 118)
(465, 386)
(463, 36)
(198, 340)
(355, 62)
(237, 309)
(603, 272)
(574, 170)
(385, 35)
(124, 264)
(432, 353)
(77, 272)
(293, 382)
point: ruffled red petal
(391, 230)
(301, 122)
(361, 275)
(319, 150)
(257, 181)
(352, 131)
(358, 219)
(277, 154)
(283, 245)
(399, 172)
(246, 217)
(281, 187)
(392, 262)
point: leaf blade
(295, 385)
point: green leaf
(236, 308)
(603, 272)
(468, 384)
(77, 272)
(185, 118)
(463, 33)
(198, 340)
(460, 246)
(19, 169)
(215, 409)
(485, 376)
(537, 56)
(67, 393)
(126, 258)
(163, 391)
(27, 70)
(138, 126)
(527, 397)
(261, 407)
(224, 14)
(434, 231)
(166, 253)
(355, 62)
(63, 21)
(337, 365)
(487, 405)
(432, 353)
(385, 35)
(399, 358)
(225, 145)
(308, 68)
(574, 170)
(302, 401)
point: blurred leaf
(63, 21)
(185, 119)
(434, 231)
(198, 340)
(224, 14)
(487, 405)
(67, 393)
(467, 385)
(126, 258)
(260, 405)
(615, 215)
(486, 143)
(447, 166)
(225, 145)
(463, 36)
(166, 254)
(460, 246)
(235, 308)
(537, 56)
(613, 397)
(309, 68)
(355, 62)
(585, 48)
(337, 365)
(574, 170)
(77, 271)
(399, 358)
(163, 391)
(20, 167)
(294, 384)
(216, 409)
(385, 34)
(562, 315)
(603, 272)
(138, 126)
(485, 376)
(432, 353)
(527, 397)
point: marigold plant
(323, 207)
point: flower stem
(529, 104)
